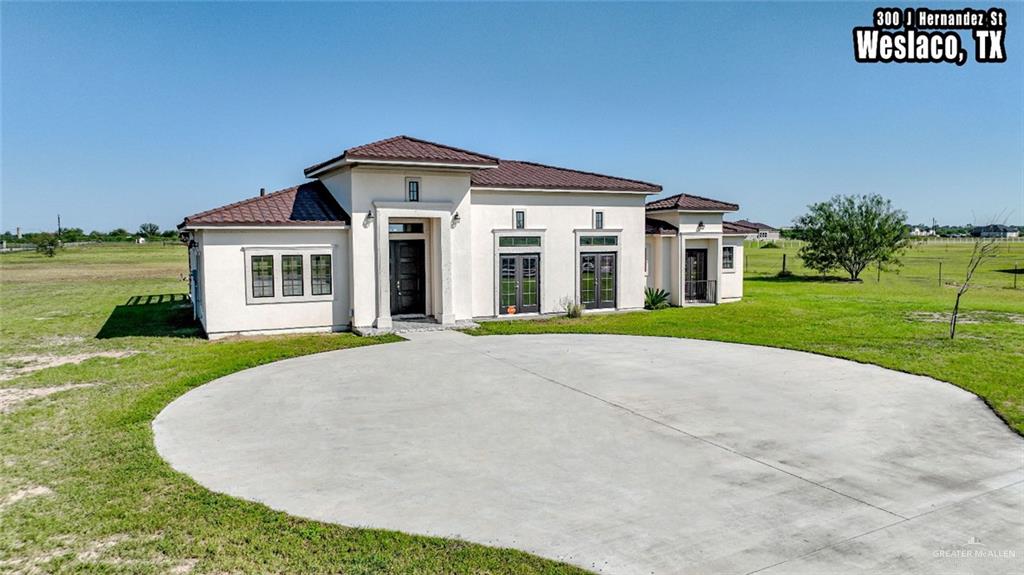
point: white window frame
(307, 273)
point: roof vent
(263, 192)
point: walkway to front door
(408, 277)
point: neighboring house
(759, 231)
(995, 231)
(919, 232)
(140, 240)
(405, 228)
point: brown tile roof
(737, 228)
(755, 225)
(691, 202)
(528, 175)
(653, 226)
(407, 149)
(305, 204)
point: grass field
(899, 321)
(82, 490)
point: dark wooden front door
(519, 284)
(696, 275)
(408, 277)
(598, 281)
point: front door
(598, 284)
(696, 274)
(407, 277)
(519, 284)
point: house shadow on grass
(158, 315)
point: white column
(447, 316)
(718, 272)
(383, 271)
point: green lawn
(95, 496)
(898, 322)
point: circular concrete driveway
(620, 454)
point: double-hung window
(262, 276)
(291, 275)
(320, 266)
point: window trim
(330, 275)
(251, 277)
(732, 259)
(419, 189)
(302, 276)
(276, 253)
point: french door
(519, 284)
(598, 280)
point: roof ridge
(245, 201)
(582, 172)
(428, 142)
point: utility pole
(58, 225)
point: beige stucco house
(405, 228)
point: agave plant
(656, 298)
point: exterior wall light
(456, 219)
(369, 219)
(700, 226)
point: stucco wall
(357, 189)
(732, 282)
(225, 286)
(557, 217)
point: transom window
(321, 272)
(727, 257)
(262, 276)
(599, 240)
(521, 220)
(291, 275)
(518, 241)
(405, 228)
(413, 189)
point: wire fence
(925, 263)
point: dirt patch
(24, 493)
(10, 397)
(22, 364)
(970, 317)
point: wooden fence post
(940, 274)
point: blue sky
(118, 114)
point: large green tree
(851, 232)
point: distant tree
(851, 232)
(72, 235)
(170, 234)
(47, 244)
(118, 235)
(148, 230)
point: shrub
(571, 307)
(770, 246)
(656, 298)
(47, 244)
